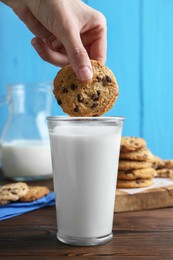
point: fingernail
(85, 73)
(102, 60)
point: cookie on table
(130, 144)
(12, 192)
(164, 173)
(35, 193)
(92, 98)
(146, 173)
(138, 183)
(142, 154)
(125, 165)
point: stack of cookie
(136, 164)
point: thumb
(78, 57)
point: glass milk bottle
(25, 148)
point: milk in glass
(85, 161)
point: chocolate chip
(65, 90)
(73, 86)
(59, 102)
(108, 79)
(99, 79)
(95, 115)
(138, 181)
(94, 97)
(98, 92)
(76, 109)
(94, 105)
(79, 98)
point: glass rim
(72, 119)
(23, 85)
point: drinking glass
(85, 155)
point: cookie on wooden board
(138, 183)
(125, 165)
(12, 192)
(146, 173)
(34, 193)
(164, 173)
(130, 143)
(157, 162)
(142, 154)
(168, 164)
(92, 98)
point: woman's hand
(67, 31)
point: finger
(78, 56)
(53, 42)
(98, 50)
(95, 41)
(48, 54)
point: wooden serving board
(148, 199)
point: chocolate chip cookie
(168, 164)
(146, 173)
(12, 192)
(34, 193)
(92, 98)
(130, 144)
(138, 183)
(140, 155)
(133, 165)
(157, 163)
(164, 173)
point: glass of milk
(85, 155)
(25, 148)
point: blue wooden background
(140, 53)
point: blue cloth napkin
(18, 208)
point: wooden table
(137, 235)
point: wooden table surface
(136, 235)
